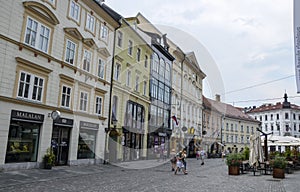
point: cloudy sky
(244, 47)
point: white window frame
(98, 105)
(120, 39)
(65, 96)
(32, 89)
(128, 78)
(69, 50)
(90, 22)
(34, 36)
(104, 33)
(83, 101)
(130, 47)
(101, 68)
(146, 61)
(117, 71)
(74, 11)
(138, 54)
(87, 59)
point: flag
(175, 119)
(297, 41)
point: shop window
(22, 145)
(86, 144)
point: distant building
(282, 119)
(226, 127)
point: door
(60, 144)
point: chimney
(218, 97)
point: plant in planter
(49, 159)
(278, 164)
(234, 160)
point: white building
(55, 56)
(281, 119)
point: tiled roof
(226, 109)
(270, 107)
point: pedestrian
(202, 156)
(198, 154)
(173, 159)
(181, 162)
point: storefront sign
(162, 134)
(63, 122)
(88, 125)
(26, 116)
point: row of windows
(277, 128)
(236, 139)
(32, 87)
(272, 117)
(161, 67)
(235, 128)
(160, 91)
(38, 35)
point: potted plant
(234, 160)
(49, 159)
(278, 164)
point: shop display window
(22, 145)
(86, 144)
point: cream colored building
(228, 128)
(56, 57)
(187, 106)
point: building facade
(280, 119)
(55, 81)
(228, 128)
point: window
(37, 35)
(286, 116)
(277, 116)
(145, 88)
(86, 143)
(74, 11)
(115, 106)
(266, 117)
(138, 54)
(104, 33)
(66, 96)
(155, 62)
(146, 61)
(117, 71)
(128, 79)
(167, 95)
(161, 91)
(119, 38)
(30, 87)
(23, 142)
(87, 57)
(137, 79)
(135, 114)
(167, 72)
(98, 109)
(90, 22)
(70, 52)
(83, 101)
(154, 88)
(162, 68)
(101, 67)
(130, 47)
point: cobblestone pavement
(212, 176)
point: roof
(116, 16)
(227, 110)
(271, 107)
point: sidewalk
(131, 176)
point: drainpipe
(181, 90)
(110, 92)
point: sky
(244, 47)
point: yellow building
(130, 94)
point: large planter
(233, 170)
(278, 173)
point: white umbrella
(256, 152)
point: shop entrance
(60, 144)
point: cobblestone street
(213, 176)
